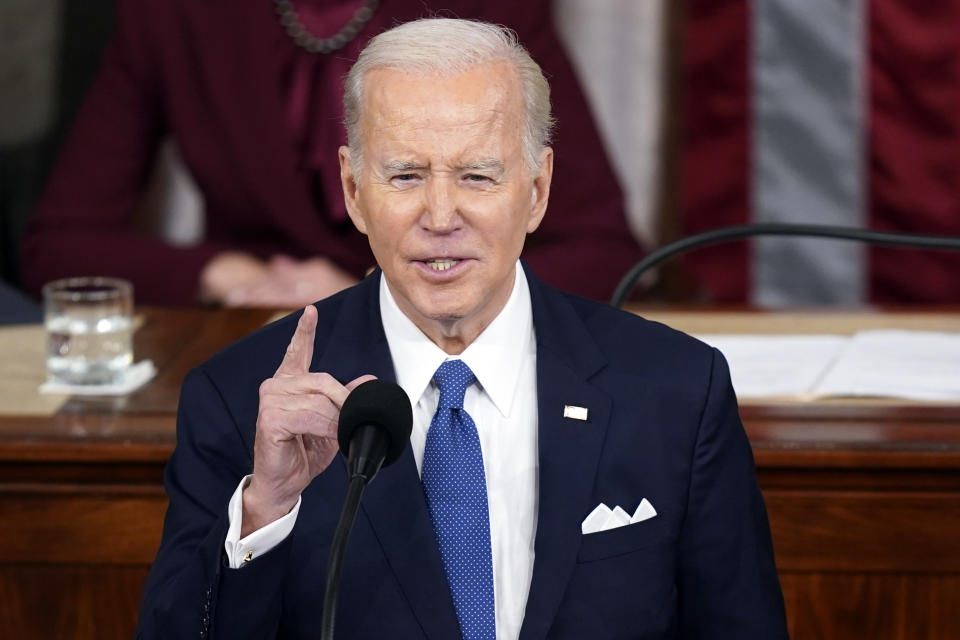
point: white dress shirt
(503, 404)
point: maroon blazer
(207, 73)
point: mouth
(442, 269)
(442, 264)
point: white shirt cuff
(241, 551)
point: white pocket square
(603, 518)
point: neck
(451, 336)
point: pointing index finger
(300, 350)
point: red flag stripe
(714, 167)
(914, 144)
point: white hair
(448, 46)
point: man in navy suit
(615, 484)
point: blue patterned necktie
(456, 491)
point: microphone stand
(337, 549)
(738, 232)
(367, 453)
(373, 431)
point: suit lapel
(569, 450)
(393, 503)
(397, 511)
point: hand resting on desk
(236, 279)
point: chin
(445, 309)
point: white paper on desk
(776, 365)
(918, 365)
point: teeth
(441, 265)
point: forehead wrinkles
(483, 136)
(468, 147)
(464, 109)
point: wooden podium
(863, 496)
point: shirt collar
(495, 357)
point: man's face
(443, 194)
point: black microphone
(374, 428)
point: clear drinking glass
(89, 324)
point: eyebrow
(489, 164)
(400, 166)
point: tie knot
(452, 378)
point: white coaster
(137, 375)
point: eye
(403, 180)
(476, 177)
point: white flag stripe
(808, 148)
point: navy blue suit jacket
(663, 425)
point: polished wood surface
(81, 495)
(863, 496)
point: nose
(440, 211)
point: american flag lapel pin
(574, 412)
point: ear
(541, 190)
(348, 183)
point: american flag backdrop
(839, 112)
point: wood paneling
(69, 602)
(841, 606)
(865, 532)
(110, 525)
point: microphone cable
(738, 232)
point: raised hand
(296, 429)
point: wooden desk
(864, 497)
(81, 495)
